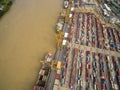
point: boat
(49, 57)
(66, 3)
(44, 73)
(60, 24)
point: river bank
(5, 6)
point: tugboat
(44, 73)
(66, 3)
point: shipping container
(41, 88)
(58, 76)
(36, 88)
(63, 81)
(57, 82)
(59, 71)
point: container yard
(88, 48)
(110, 10)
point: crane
(63, 12)
(67, 15)
(109, 25)
(59, 38)
(53, 64)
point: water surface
(26, 34)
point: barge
(44, 73)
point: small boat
(49, 57)
(66, 3)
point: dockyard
(88, 50)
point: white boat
(66, 3)
(59, 25)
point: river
(26, 34)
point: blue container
(40, 88)
(63, 81)
(73, 87)
(107, 86)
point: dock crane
(63, 12)
(110, 26)
(67, 15)
(59, 38)
(54, 65)
(89, 11)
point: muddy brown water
(26, 34)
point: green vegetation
(5, 1)
(4, 6)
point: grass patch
(6, 4)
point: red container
(36, 88)
(103, 86)
(86, 74)
(57, 76)
(65, 73)
(88, 52)
(102, 75)
(80, 65)
(89, 66)
(76, 51)
(118, 73)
